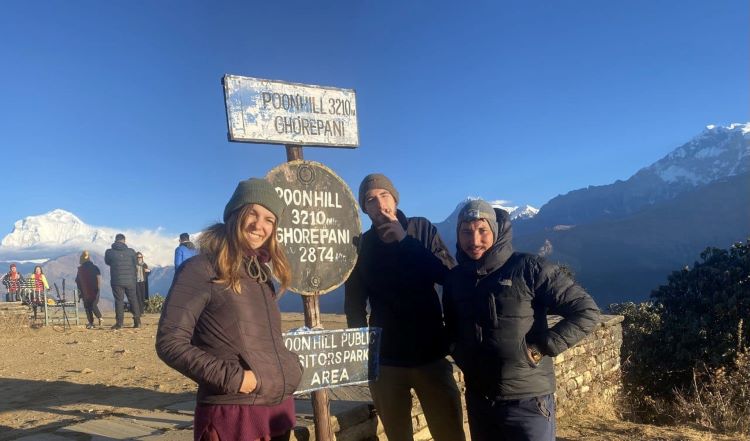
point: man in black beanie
(400, 261)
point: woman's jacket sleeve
(189, 295)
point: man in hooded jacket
(496, 303)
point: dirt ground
(50, 378)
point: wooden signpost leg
(320, 405)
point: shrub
(154, 304)
(702, 308)
(684, 355)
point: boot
(136, 322)
(116, 326)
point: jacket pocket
(245, 363)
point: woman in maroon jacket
(221, 326)
(89, 280)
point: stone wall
(591, 369)
(587, 373)
(15, 311)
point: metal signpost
(321, 220)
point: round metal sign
(318, 226)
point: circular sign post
(317, 231)
(318, 226)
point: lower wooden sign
(337, 357)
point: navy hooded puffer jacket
(496, 306)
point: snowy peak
(718, 152)
(523, 212)
(57, 227)
(60, 232)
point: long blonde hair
(223, 243)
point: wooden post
(311, 307)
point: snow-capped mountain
(623, 239)
(60, 232)
(716, 153)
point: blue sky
(114, 110)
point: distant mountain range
(622, 240)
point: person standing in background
(122, 262)
(39, 285)
(89, 281)
(141, 280)
(12, 281)
(184, 251)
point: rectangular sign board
(277, 112)
(338, 357)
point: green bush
(154, 304)
(688, 344)
(702, 308)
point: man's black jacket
(495, 307)
(398, 279)
(121, 261)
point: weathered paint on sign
(318, 226)
(268, 111)
(337, 357)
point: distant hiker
(184, 251)
(221, 325)
(141, 280)
(122, 263)
(38, 285)
(89, 282)
(13, 281)
(496, 304)
(400, 261)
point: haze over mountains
(621, 239)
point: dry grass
(719, 398)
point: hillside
(627, 258)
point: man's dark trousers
(119, 292)
(526, 419)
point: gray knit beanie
(255, 191)
(372, 181)
(475, 210)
